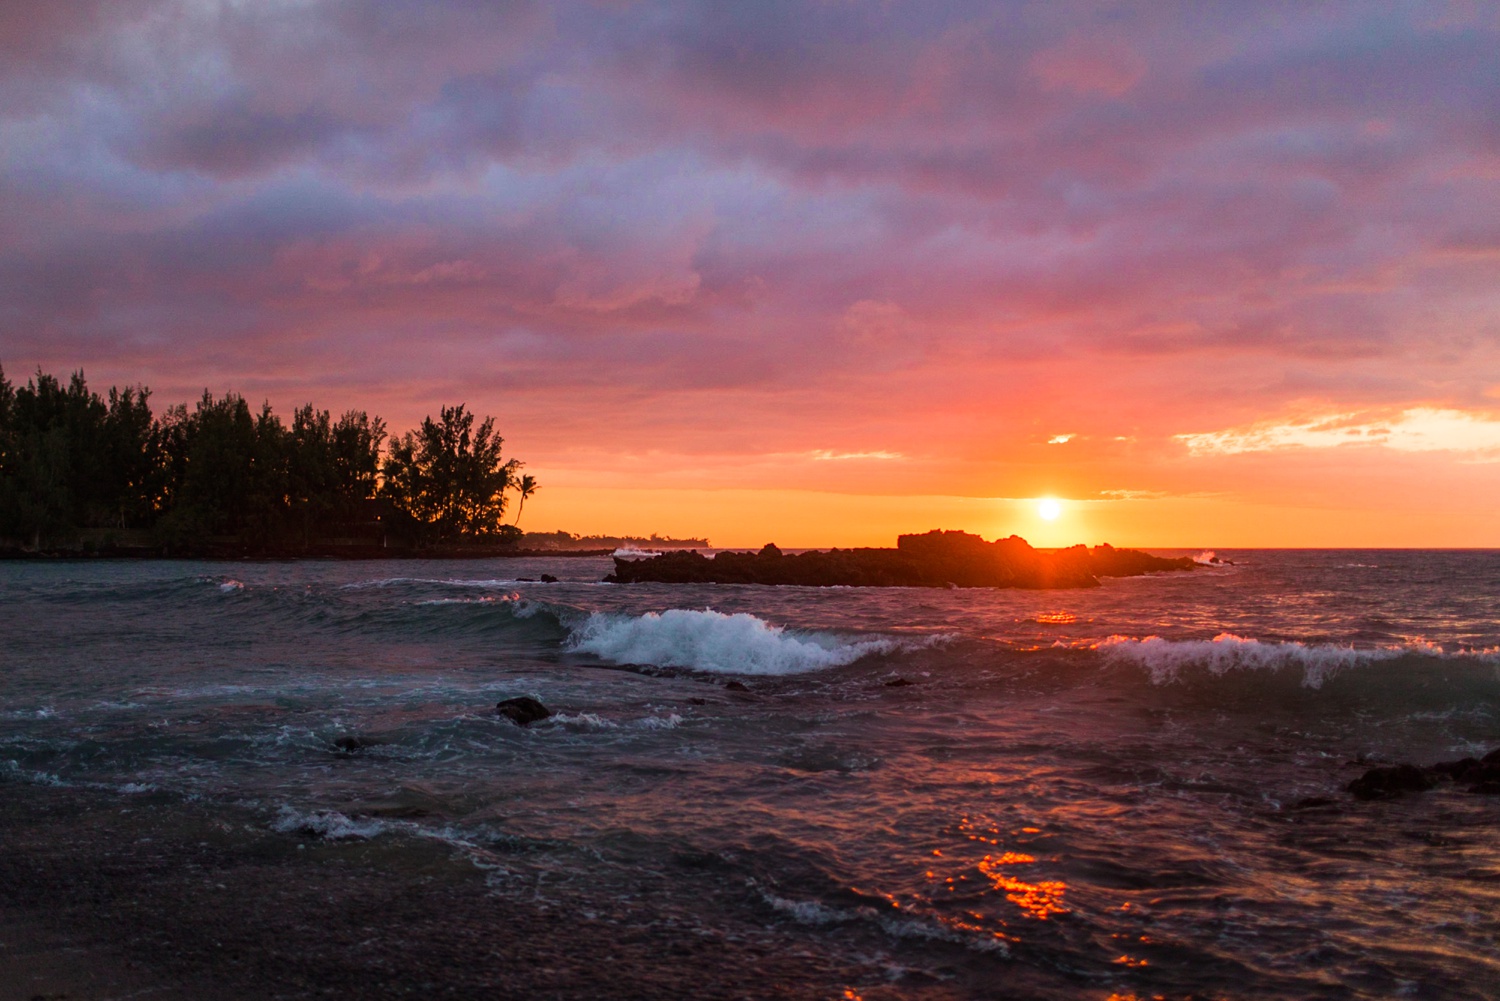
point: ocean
(1128, 792)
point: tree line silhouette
(80, 470)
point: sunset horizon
(1219, 279)
(792, 500)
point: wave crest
(1166, 659)
(713, 641)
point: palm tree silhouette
(527, 486)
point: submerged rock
(735, 686)
(523, 710)
(899, 683)
(936, 559)
(1388, 783)
(1481, 775)
(351, 744)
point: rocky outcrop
(1480, 775)
(935, 559)
(522, 710)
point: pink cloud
(946, 233)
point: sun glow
(1049, 508)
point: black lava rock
(522, 710)
(1391, 782)
(547, 578)
(734, 686)
(1456, 770)
(899, 683)
(936, 559)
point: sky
(1210, 274)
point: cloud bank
(703, 230)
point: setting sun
(1049, 508)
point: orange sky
(1217, 274)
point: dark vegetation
(91, 473)
(936, 559)
(567, 541)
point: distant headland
(935, 559)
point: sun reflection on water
(1039, 900)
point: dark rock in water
(350, 744)
(547, 578)
(697, 701)
(734, 686)
(525, 580)
(1482, 775)
(936, 559)
(522, 710)
(899, 683)
(1458, 771)
(1389, 783)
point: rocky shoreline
(935, 559)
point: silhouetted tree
(68, 460)
(449, 478)
(525, 487)
(74, 463)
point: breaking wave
(713, 641)
(330, 825)
(1166, 660)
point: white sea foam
(230, 586)
(809, 912)
(632, 553)
(590, 721)
(327, 824)
(819, 915)
(12, 770)
(1166, 659)
(668, 722)
(713, 641)
(1207, 558)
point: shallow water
(1080, 794)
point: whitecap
(669, 722)
(1165, 659)
(327, 824)
(705, 640)
(590, 721)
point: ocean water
(1079, 794)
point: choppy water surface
(1081, 794)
